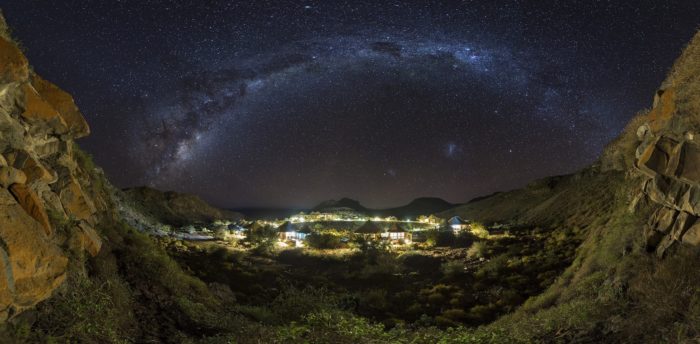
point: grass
(685, 80)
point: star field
(288, 103)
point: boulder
(32, 205)
(75, 202)
(663, 110)
(47, 148)
(11, 175)
(660, 224)
(32, 168)
(690, 202)
(14, 67)
(33, 266)
(662, 221)
(692, 235)
(40, 114)
(49, 198)
(689, 168)
(35, 170)
(681, 225)
(655, 158)
(88, 239)
(64, 104)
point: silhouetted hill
(419, 206)
(175, 208)
(341, 203)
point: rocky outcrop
(44, 211)
(668, 156)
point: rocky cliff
(46, 214)
(668, 155)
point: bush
(464, 239)
(292, 304)
(262, 239)
(477, 250)
(329, 239)
(85, 313)
(453, 268)
(422, 263)
(440, 237)
(479, 230)
(667, 299)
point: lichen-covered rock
(32, 205)
(13, 65)
(42, 115)
(32, 267)
(75, 202)
(64, 103)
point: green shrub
(479, 230)
(262, 239)
(329, 239)
(666, 297)
(477, 250)
(84, 313)
(423, 263)
(453, 268)
(464, 239)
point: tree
(262, 238)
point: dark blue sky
(288, 103)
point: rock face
(668, 155)
(44, 210)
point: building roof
(368, 228)
(456, 220)
(396, 228)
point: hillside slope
(176, 209)
(616, 291)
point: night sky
(288, 103)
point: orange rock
(664, 107)
(31, 204)
(89, 239)
(32, 267)
(10, 175)
(36, 109)
(692, 236)
(32, 168)
(35, 170)
(75, 202)
(655, 159)
(13, 65)
(64, 104)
